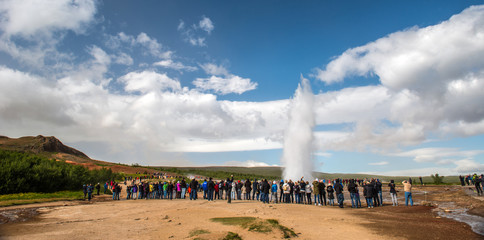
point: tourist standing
(338, 188)
(407, 187)
(393, 193)
(330, 191)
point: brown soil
(179, 219)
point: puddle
(449, 210)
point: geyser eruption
(297, 156)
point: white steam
(297, 156)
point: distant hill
(39, 144)
(51, 147)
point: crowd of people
(321, 192)
(477, 181)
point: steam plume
(297, 157)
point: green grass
(234, 220)
(232, 236)
(257, 225)
(197, 232)
(27, 198)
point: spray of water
(297, 156)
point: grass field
(27, 198)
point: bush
(437, 179)
(25, 172)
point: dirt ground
(179, 219)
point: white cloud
(221, 85)
(248, 163)
(468, 166)
(32, 17)
(148, 81)
(123, 59)
(431, 82)
(206, 24)
(437, 154)
(382, 163)
(195, 34)
(42, 25)
(168, 63)
(213, 69)
(150, 46)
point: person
(248, 189)
(183, 188)
(228, 188)
(84, 190)
(357, 197)
(134, 190)
(297, 192)
(169, 189)
(461, 178)
(193, 189)
(421, 180)
(98, 188)
(205, 188)
(265, 189)
(322, 192)
(338, 188)
(90, 188)
(238, 187)
(210, 189)
(368, 193)
(216, 191)
(281, 184)
(286, 189)
(105, 187)
(407, 187)
(308, 192)
(352, 189)
(379, 192)
(291, 190)
(330, 191)
(317, 198)
(254, 189)
(477, 184)
(274, 192)
(393, 193)
(376, 199)
(302, 191)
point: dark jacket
(338, 188)
(194, 184)
(352, 187)
(266, 187)
(368, 190)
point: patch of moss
(232, 236)
(196, 232)
(242, 221)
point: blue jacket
(205, 186)
(274, 187)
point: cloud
(196, 34)
(40, 27)
(149, 46)
(174, 65)
(430, 82)
(382, 163)
(147, 81)
(214, 69)
(123, 59)
(225, 85)
(248, 163)
(437, 154)
(468, 166)
(32, 17)
(206, 24)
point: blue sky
(397, 85)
